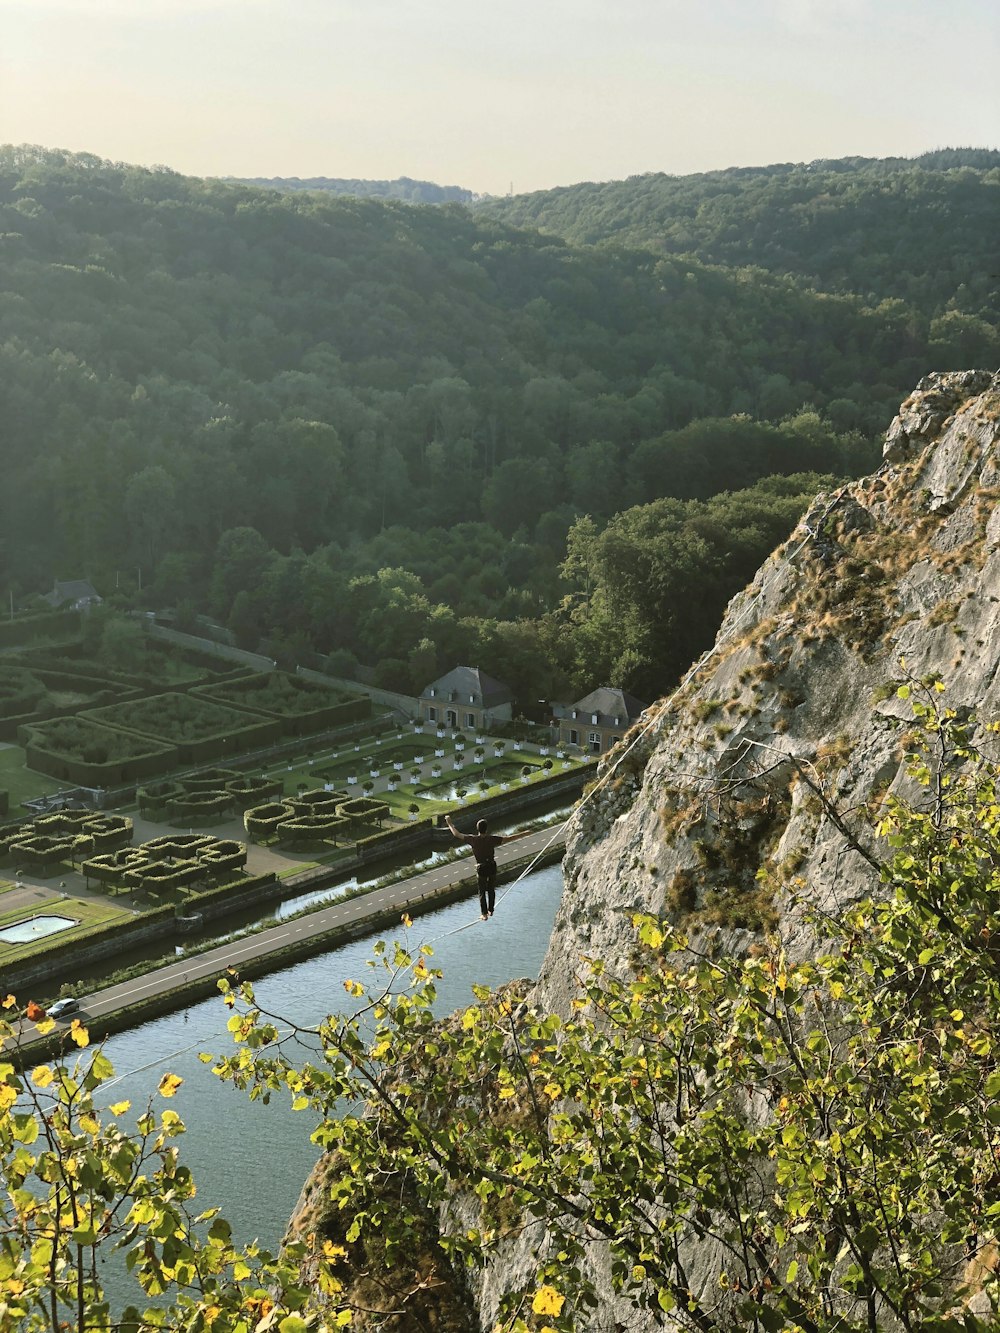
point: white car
(63, 1008)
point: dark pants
(487, 872)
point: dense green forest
(919, 230)
(410, 191)
(402, 435)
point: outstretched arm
(513, 837)
(454, 831)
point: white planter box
(352, 782)
(543, 749)
(439, 753)
(458, 762)
(517, 745)
(392, 784)
(498, 752)
(398, 767)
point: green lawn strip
(20, 781)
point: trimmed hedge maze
(73, 749)
(198, 728)
(45, 843)
(171, 863)
(303, 706)
(315, 816)
(205, 797)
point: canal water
(251, 1160)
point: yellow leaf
(547, 1301)
(407, 920)
(42, 1076)
(79, 1033)
(119, 1108)
(169, 1084)
(553, 1090)
(420, 971)
(505, 1093)
(9, 1002)
(89, 1124)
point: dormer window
(472, 698)
(593, 719)
(433, 691)
(575, 713)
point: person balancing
(483, 844)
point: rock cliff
(715, 805)
(760, 773)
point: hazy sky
(532, 93)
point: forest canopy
(203, 383)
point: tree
(77, 1184)
(757, 1143)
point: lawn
(20, 781)
(86, 912)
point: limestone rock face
(719, 782)
(903, 567)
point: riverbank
(173, 987)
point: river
(251, 1160)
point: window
(472, 698)
(593, 719)
(470, 719)
(432, 714)
(433, 692)
(595, 740)
(574, 737)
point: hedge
(199, 805)
(313, 828)
(199, 729)
(210, 779)
(303, 706)
(23, 628)
(83, 752)
(249, 791)
(261, 821)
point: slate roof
(75, 590)
(462, 681)
(614, 708)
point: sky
(511, 94)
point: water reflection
(251, 1160)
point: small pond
(23, 932)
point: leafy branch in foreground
(760, 1143)
(76, 1185)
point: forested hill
(260, 399)
(409, 191)
(921, 230)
